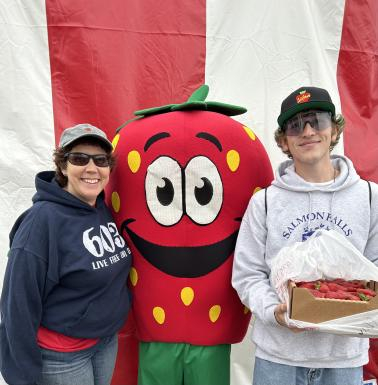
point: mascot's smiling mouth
(180, 261)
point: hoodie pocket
(82, 323)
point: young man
(312, 190)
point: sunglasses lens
(324, 120)
(101, 160)
(293, 126)
(78, 159)
(318, 120)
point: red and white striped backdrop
(71, 61)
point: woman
(64, 296)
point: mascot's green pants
(183, 364)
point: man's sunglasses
(318, 120)
(81, 159)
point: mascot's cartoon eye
(205, 193)
(203, 189)
(164, 190)
(165, 194)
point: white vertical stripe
(257, 52)
(26, 117)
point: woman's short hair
(59, 157)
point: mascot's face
(181, 185)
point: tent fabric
(65, 62)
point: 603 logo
(107, 240)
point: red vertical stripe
(357, 77)
(110, 58)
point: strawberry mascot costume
(184, 176)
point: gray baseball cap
(69, 135)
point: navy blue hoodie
(67, 271)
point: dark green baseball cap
(305, 98)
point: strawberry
(336, 295)
(316, 293)
(352, 297)
(351, 289)
(324, 288)
(364, 297)
(321, 286)
(366, 292)
(335, 286)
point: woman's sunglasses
(318, 120)
(81, 159)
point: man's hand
(279, 313)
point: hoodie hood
(288, 179)
(48, 190)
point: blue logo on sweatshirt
(314, 221)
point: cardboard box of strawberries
(325, 300)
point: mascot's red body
(182, 182)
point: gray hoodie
(295, 209)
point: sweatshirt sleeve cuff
(270, 318)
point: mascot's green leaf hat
(196, 101)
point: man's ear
(283, 143)
(334, 133)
